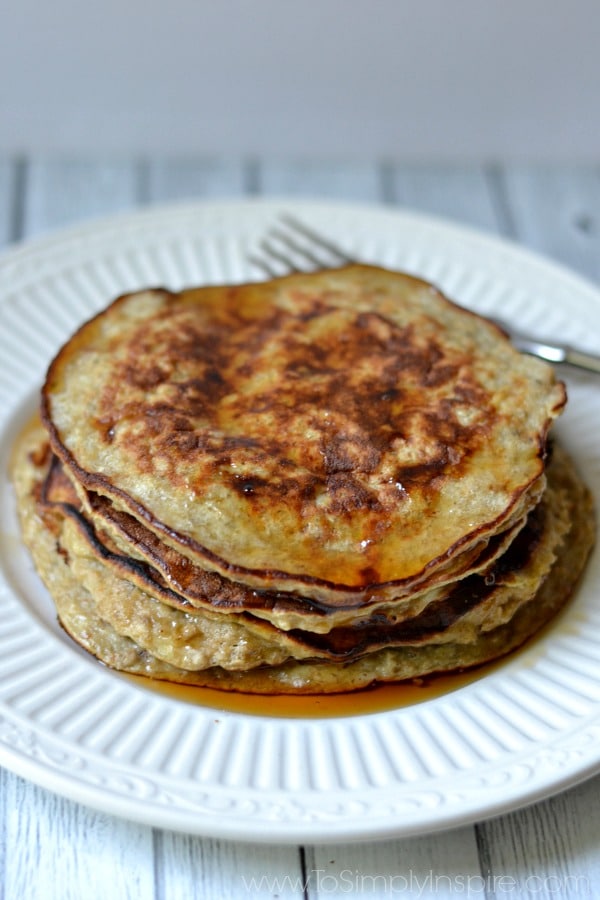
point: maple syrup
(381, 698)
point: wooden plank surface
(314, 179)
(61, 192)
(51, 847)
(194, 869)
(56, 849)
(463, 194)
(188, 179)
(424, 867)
(555, 210)
(10, 191)
(551, 849)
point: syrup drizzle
(380, 698)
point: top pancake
(346, 429)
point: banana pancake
(209, 590)
(308, 485)
(128, 628)
(345, 434)
(467, 601)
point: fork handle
(582, 360)
(557, 353)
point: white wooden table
(53, 848)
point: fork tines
(292, 246)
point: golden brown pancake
(309, 485)
(337, 434)
(106, 610)
(179, 582)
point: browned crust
(344, 463)
(80, 619)
(342, 643)
(185, 584)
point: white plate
(527, 729)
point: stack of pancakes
(312, 484)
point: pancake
(313, 484)
(127, 628)
(336, 435)
(179, 582)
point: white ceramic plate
(528, 729)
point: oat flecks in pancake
(336, 431)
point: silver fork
(293, 246)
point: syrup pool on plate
(381, 698)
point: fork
(298, 247)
